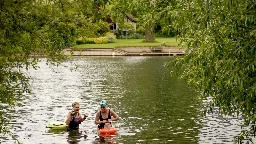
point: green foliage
(126, 29)
(87, 29)
(98, 10)
(131, 36)
(83, 40)
(162, 31)
(103, 28)
(147, 13)
(62, 34)
(138, 36)
(220, 40)
(99, 40)
(30, 28)
(127, 26)
(111, 37)
(140, 30)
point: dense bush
(92, 30)
(131, 36)
(99, 40)
(103, 28)
(126, 28)
(138, 36)
(140, 30)
(111, 37)
(80, 40)
(87, 30)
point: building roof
(131, 18)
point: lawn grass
(131, 42)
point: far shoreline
(126, 51)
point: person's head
(76, 106)
(103, 105)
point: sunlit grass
(131, 42)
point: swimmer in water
(74, 118)
(105, 115)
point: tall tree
(31, 27)
(219, 37)
(147, 13)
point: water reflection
(104, 140)
(74, 137)
(153, 107)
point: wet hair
(74, 103)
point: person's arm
(115, 116)
(82, 118)
(97, 121)
(69, 117)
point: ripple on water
(153, 107)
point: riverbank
(126, 51)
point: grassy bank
(131, 42)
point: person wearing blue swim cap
(105, 115)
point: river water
(153, 106)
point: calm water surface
(153, 107)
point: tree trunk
(150, 33)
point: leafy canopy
(219, 37)
(29, 28)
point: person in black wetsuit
(74, 118)
(105, 115)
